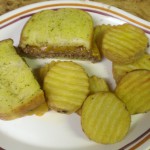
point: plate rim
(10, 16)
(110, 10)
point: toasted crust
(22, 110)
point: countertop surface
(140, 8)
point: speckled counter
(139, 8)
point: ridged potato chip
(124, 44)
(104, 118)
(99, 32)
(97, 40)
(43, 70)
(120, 70)
(134, 90)
(66, 86)
(96, 84)
(41, 73)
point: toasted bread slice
(67, 32)
(19, 91)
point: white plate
(55, 131)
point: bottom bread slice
(19, 90)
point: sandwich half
(66, 32)
(19, 91)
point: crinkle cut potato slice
(99, 32)
(66, 86)
(134, 90)
(104, 118)
(96, 84)
(120, 70)
(124, 44)
(44, 69)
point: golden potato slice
(66, 86)
(41, 73)
(134, 90)
(39, 111)
(97, 41)
(97, 84)
(124, 44)
(43, 70)
(120, 70)
(99, 32)
(104, 118)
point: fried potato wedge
(134, 90)
(120, 70)
(104, 118)
(96, 84)
(124, 44)
(66, 86)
